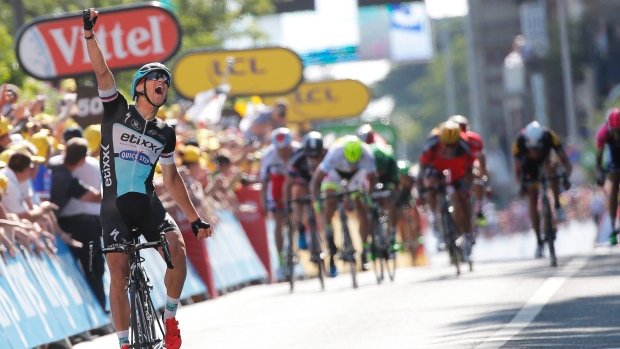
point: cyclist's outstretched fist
(89, 17)
(201, 229)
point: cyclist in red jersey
(447, 154)
(480, 172)
(609, 134)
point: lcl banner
(326, 100)
(52, 47)
(263, 71)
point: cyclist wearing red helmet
(609, 134)
(531, 149)
(133, 142)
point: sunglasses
(156, 75)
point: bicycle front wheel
(549, 231)
(142, 319)
(290, 255)
(450, 236)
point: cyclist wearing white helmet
(133, 141)
(273, 172)
(352, 160)
(531, 149)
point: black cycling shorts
(116, 232)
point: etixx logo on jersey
(133, 155)
(140, 141)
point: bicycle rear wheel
(549, 231)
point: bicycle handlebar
(381, 194)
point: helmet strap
(147, 97)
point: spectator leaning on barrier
(84, 226)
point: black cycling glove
(197, 224)
(88, 23)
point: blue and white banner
(44, 300)
(232, 257)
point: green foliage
(204, 23)
(420, 95)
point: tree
(205, 23)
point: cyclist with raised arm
(609, 134)
(447, 156)
(133, 140)
(387, 176)
(352, 160)
(531, 150)
(302, 165)
(273, 171)
(480, 173)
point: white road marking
(534, 305)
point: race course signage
(52, 47)
(263, 71)
(326, 100)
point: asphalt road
(509, 301)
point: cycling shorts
(275, 193)
(116, 232)
(333, 180)
(457, 184)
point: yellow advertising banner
(262, 71)
(325, 100)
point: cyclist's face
(157, 85)
(285, 153)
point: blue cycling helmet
(281, 137)
(143, 71)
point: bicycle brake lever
(166, 250)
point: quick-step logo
(133, 155)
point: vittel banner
(52, 47)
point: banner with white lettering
(53, 46)
(45, 300)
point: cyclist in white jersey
(273, 172)
(351, 160)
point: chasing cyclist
(480, 173)
(273, 172)
(531, 150)
(387, 176)
(447, 156)
(302, 165)
(609, 134)
(133, 140)
(347, 159)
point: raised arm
(105, 79)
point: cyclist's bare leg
(119, 303)
(328, 215)
(532, 198)
(614, 177)
(298, 192)
(278, 217)
(478, 187)
(461, 213)
(175, 278)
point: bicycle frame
(380, 247)
(547, 226)
(143, 316)
(448, 225)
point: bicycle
(143, 316)
(290, 256)
(447, 224)
(548, 231)
(317, 253)
(347, 254)
(380, 249)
